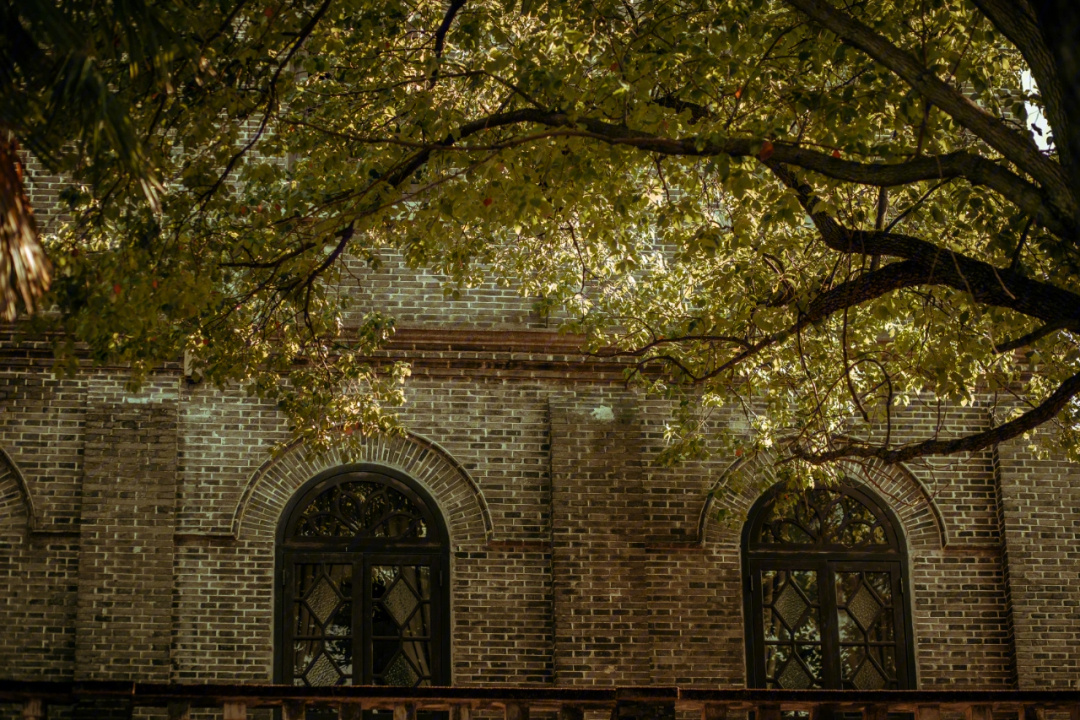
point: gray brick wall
(576, 559)
(1041, 519)
(128, 520)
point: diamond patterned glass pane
(400, 602)
(323, 648)
(319, 608)
(868, 678)
(849, 629)
(382, 623)
(304, 652)
(809, 630)
(322, 672)
(795, 614)
(774, 628)
(885, 656)
(851, 659)
(864, 663)
(419, 626)
(322, 600)
(794, 677)
(382, 578)
(400, 673)
(807, 582)
(418, 654)
(775, 658)
(882, 629)
(864, 607)
(340, 652)
(305, 621)
(812, 659)
(401, 621)
(341, 622)
(846, 585)
(790, 605)
(382, 652)
(881, 584)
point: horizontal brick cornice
(432, 352)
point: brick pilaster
(126, 560)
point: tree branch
(1034, 335)
(1042, 413)
(444, 27)
(976, 170)
(1017, 148)
(1059, 26)
(987, 284)
(271, 96)
(1016, 20)
(440, 35)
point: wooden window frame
(826, 559)
(432, 550)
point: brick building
(526, 536)
(144, 536)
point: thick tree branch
(986, 283)
(1001, 287)
(1034, 335)
(1059, 26)
(930, 264)
(1042, 413)
(973, 168)
(1016, 20)
(444, 27)
(976, 170)
(440, 35)
(865, 287)
(854, 292)
(1017, 148)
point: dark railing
(515, 703)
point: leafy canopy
(820, 213)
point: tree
(820, 212)
(148, 109)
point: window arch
(362, 561)
(825, 592)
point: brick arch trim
(457, 494)
(897, 486)
(15, 493)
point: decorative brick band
(459, 497)
(16, 504)
(747, 477)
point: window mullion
(830, 636)
(363, 637)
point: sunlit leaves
(700, 266)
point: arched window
(825, 576)
(363, 561)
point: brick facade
(137, 531)
(137, 537)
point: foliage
(818, 213)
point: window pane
(791, 611)
(821, 517)
(865, 621)
(361, 509)
(322, 624)
(401, 624)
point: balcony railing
(516, 703)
